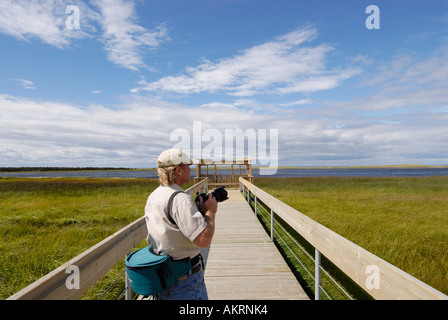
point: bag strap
(168, 207)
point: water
(363, 172)
(319, 172)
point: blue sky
(115, 91)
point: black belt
(196, 267)
(196, 260)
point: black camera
(220, 194)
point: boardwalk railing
(377, 277)
(71, 280)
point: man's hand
(210, 206)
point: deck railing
(377, 277)
(71, 280)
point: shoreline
(393, 166)
(89, 169)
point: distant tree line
(28, 169)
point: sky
(287, 83)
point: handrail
(89, 266)
(356, 262)
(197, 187)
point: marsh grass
(46, 222)
(402, 220)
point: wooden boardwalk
(242, 262)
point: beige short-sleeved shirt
(165, 237)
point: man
(183, 233)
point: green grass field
(46, 222)
(402, 220)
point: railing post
(272, 225)
(317, 260)
(255, 201)
(127, 284)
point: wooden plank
(352, 259)
(243, 263)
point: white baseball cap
(172, 157)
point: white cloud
(54, 133)
(98, 91)
(296, 103)
(283, 65)
(406, 81)
(125, 39)
(44, 19)
(133, 134)
(218, 105)
(27, 84)
(46, 132)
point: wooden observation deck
(209, 169)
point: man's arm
(210, 207)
